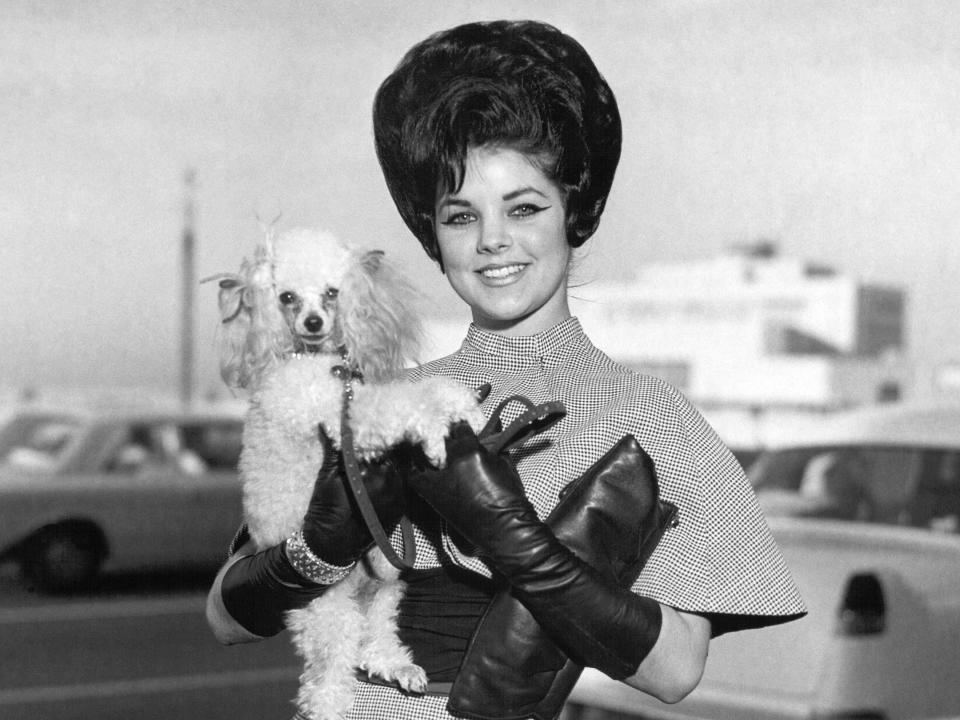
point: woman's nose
(494, 236)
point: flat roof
(914, 424)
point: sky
(832, 128)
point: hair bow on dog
(237, 289)
(231, 296)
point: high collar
(545, 346)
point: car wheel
(63, 559)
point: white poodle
(305, 305)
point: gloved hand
(259, 589)
(481, 496)
(333, 527)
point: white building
(754, 329)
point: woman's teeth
(502, 272)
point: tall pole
(187, 272)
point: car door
(212, 450)
(148, 501)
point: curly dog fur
(304, 304)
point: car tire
(63, 559)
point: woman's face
(502, 238)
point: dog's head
(307, 291)
(309, 270)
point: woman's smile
(502, 274)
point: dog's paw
(411, 678)
(435, 450)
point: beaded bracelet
(310, 566)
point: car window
(217, 443)
(868, 484)
(37, 442)
(890, 477)
(937, 503)
(781, 469)
(144, 446)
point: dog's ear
(376, 317)
(371, 260)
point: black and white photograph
(550, 360)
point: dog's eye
(287, 298)
(331, 293)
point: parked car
(895, 465)
(88, 491)
(878, 566)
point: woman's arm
(674, 666)
(225, 628)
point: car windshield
(888, 485)
(36, 442)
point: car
(878, 565)
(887, 464)
(90, 490)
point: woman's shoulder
(665, 422)
(637, 393)
(611, 400)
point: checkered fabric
(720, 559)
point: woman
(499, 142)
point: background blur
(830, 128)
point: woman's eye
(287, 298)
(527, 209)
(461, 218)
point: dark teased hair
(523, 85)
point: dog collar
(344, 373)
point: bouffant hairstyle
(523, 85)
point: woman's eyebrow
(449, 200)
(523, 191)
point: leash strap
(532, 421)
(355, 479)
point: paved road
(136, 648)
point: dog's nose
(313, 324)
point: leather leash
(355, 480)
(532, 421)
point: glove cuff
(258, 590)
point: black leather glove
(333, 526)
(593, 619)
(259, 589)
